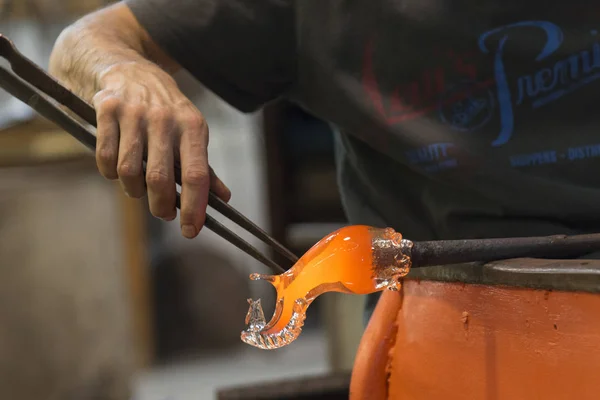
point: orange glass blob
(356, 259)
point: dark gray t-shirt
(454, 119)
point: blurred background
(98, 300)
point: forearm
(100, 42)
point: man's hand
(109, 60)
(140, 109)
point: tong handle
(32, 73)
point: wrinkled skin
(109, 59)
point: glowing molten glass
(356, 260)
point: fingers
(127, 128)
(160, 177)
(120, 142)
(107, 142)
(131, 151)
(218, 187)
(195, 173)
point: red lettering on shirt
(423, 95)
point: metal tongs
(31, 84)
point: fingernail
(124, 189)
(189, 231)
(169, 219)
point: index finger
(195, 175)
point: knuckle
(136, 111)
(106, 156)
(156, 178)
(195, 177)
(194, 121)
(108, 105)
(128, 170)
(161, 115)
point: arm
(100, 42)
(110, 60)
(116, 58)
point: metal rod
(233, 214)
(37, 77)
(28, 95)
(444, 252)
(237, 241)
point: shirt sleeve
(243, 50)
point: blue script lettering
(554, 38)
(566, 75)
(544, 85)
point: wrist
(113, 74)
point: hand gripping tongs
(33, 86)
